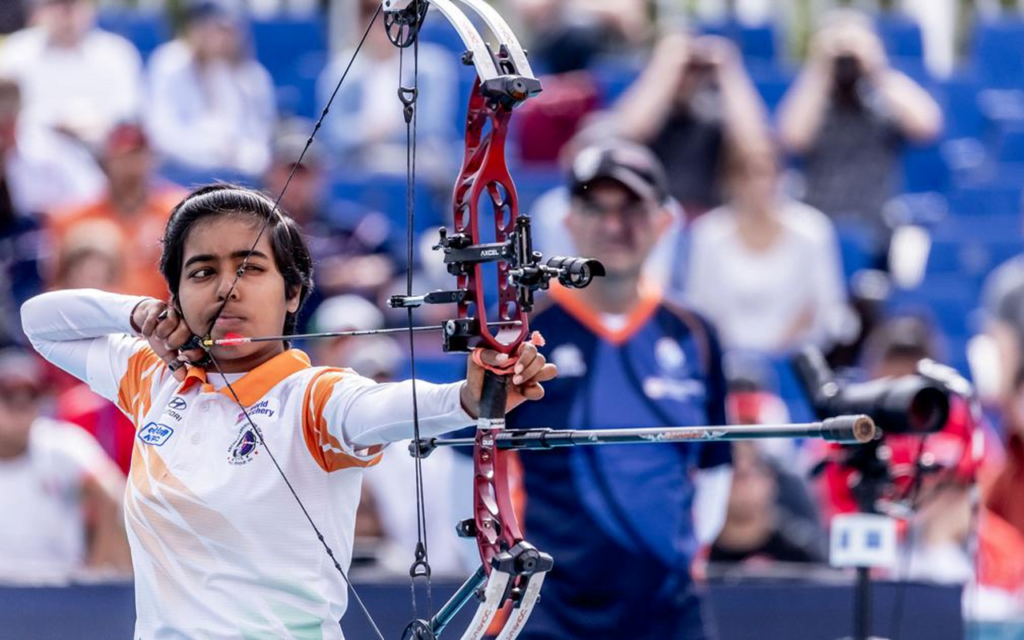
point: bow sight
(525, 273)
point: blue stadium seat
(984, 200)
(924, 169)
(1009, 147)
(294, 51)
(772, 81)
(190, 177)
(997, 52)
(387, 194)
(901, 35)
(146, 30)
(613, 78)
(948, 300)
(986, 228)
(757, 42)
(533, 182)
(959, 98)
(437, 30)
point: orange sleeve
(328, 451)
(135, 392)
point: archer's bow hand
(526, 373)
(163, 328)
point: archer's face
(615, 227)
(214, 250)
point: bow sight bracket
(526, 274)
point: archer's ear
(294, 301)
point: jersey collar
(255, 384)
(637, 317)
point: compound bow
(511, 570)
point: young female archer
(219, 541)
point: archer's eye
(204, 272)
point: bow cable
(420, 567)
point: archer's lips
(229, 322)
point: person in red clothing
(137, 205)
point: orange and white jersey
(220, 546)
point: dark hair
(291, 253)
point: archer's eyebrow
(209, 257)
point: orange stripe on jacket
(134, 395)
(324, 447)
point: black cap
(627, 163)
(203, 10)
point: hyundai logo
(178, 404)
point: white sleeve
(711, 502)
(378, 414)
(348, 419)
(85, 332)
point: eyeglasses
(634, 209)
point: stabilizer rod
(842, 429)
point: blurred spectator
(764, 269)
(627, 358)
(74, 76)
(692, 99)
(1002, 301)
(42, 169)
(757, 527)
(59, 493)
(39, 169)
(848, 117)
(349, 242)
(136, 204)
(342, 313)
(12, 16)
(367, 124)
(212, 105)
(1004, 495)
(567, 35)
(550, 209)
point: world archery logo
(243, 450)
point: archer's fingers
(532, 391)
(153, 318)
(524, 372)
(179, 337)
(493, 358)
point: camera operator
(848, 116)
(693, 100)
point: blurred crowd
(98, 143)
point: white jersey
(219, 545)
(43, 526)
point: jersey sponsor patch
(569, 360)
(155, 434)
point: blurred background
(890, 133)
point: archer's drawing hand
(166, 332)
(524, 384)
